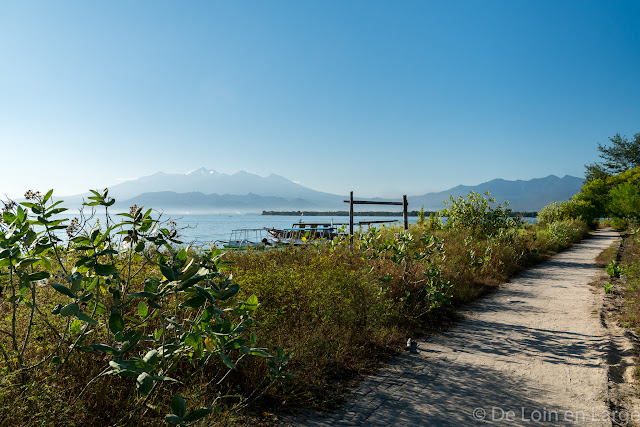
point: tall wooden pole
(351, 217)
(405, 212)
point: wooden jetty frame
(403, 203)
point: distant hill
(207, 181)
(531, 195)
(207, 191)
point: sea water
(203, 230)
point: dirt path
(533, 351)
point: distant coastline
(530, 214)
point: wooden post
(351, 217)
(405, 212)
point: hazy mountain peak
(201, 171)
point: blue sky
(380, 97)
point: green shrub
(571, 209)
(119, 296)
(476, 213)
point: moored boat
(243, 238)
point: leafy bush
(613, 269)
(625, 201)
(121, 290)
(476, 213)
(564, 211)
(614, 195)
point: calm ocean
(206, 229)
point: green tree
(625, 201)
(574, 208)
(622, 155)
(615, 195)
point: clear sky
(380, 97)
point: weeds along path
(533, 351)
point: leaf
(47, 196)
(133, 338)
(182, 255)
(80, 315)
(252, 300)
(46, 264)
(205, 293)
(63, 290)
(130, 368)
(26, 263)
(208, 314)
(38, 276)
(234, 344)
(76, 282)
(99, 307)
(227, 361)
(258, 352)
(197, 414)
(105, 269)
(169, 273)
(143, 310)
(194, 302)
(226, 293)
(150, 285)
(105, 348)
(116, 323)
(194, 341)
(178, 406)
(69, 309)
(87, 297)
(151, 357)
(93, 284)
(173, 419)
(144, 383)
(81, 239)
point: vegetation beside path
(120, 323)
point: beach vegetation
(113, 320)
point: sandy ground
(535, 351)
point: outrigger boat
(247, 238)
(302, 233)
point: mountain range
(208, 191)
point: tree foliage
(614, 195)
(574, 208)
(622, 155)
